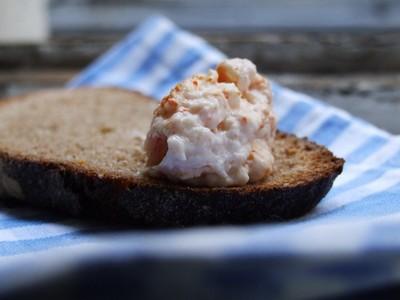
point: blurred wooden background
(344, 52)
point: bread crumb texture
(103, 130)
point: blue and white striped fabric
(332, 247)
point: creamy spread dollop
(215, 129)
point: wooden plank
(18, 82)
(229, 15)
(374, 97)
(338, 52)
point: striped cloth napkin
(348, 242)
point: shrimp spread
(215, 129)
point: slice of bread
(80, 151)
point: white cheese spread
(215, 129)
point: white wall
(23, 21)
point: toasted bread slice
(80, 151)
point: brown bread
(80, 152)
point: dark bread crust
(142, 202)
